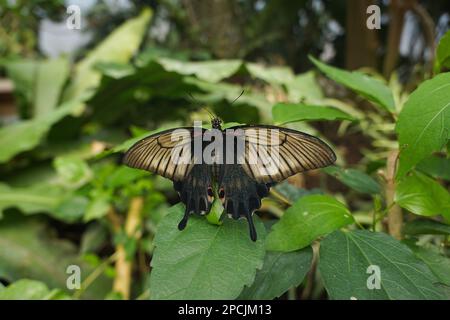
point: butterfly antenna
(211, 114)
(242, 92)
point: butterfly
(238, 165)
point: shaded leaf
(366, 86)
(423, 124)
(285, 113)
(438, 264)
(355, 179)
(422, 226)
(28, 250)
(307, 219)
(203, 261)
(443, 51)
(346, 256)
(437, 167)
(280, 271)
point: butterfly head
(216, 123)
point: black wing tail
(240, 194)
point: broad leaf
(212, 71)
(366, 86)
(422, 195)
(118, 47)
(274, 75)
(424, 123)
(204, 261)
(304, 88)
(306, 220)
(284, 113)
(355, 179)
(25, 135)
(372, 265)
(281, 271)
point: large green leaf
(26, 289)
(204, 261)
(25, 135)
(368, 87)
(443, 51)
(29, 249)
(304, 88)
(424, 123)
(276, 75)
(281, 271)
(349, 260)
(306, 220)
(212, 71)
(284, 113)
(355, 179)
(119, 47)
(437, 263)
(422, 195)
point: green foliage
(355, 179)
(443, 52)
(204, 261)
(307, 219)
(368, 87)
(423, 196)
(280, 272)
(30, 290)
(422, 132)
(284, 113)
(346, 256)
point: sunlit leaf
(422, 195)
(285, 113)
(307, 219)
(424, 123)
(443, 51)
(30, 290)
(368, 87)
(204, 261)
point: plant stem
(395, 217)
(123, 267)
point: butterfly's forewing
(171, 154)
(273, 154)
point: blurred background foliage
(72, 100)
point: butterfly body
(238, 164)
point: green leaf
(306, 220)
(118, 47)
(73, 171)
(281, 271)
(276, 75)
(97, 209)
(25, 135)
(366, 86)
(204, 261)
(422, 195)
(304, 88)
(26, 289)
(29, 249)
(345, 266)
(438, 264)
(443, 51)
(424, 123)
(355, 179)
(212, 71)
(437, 167)
(422, 226)
(285, 113)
